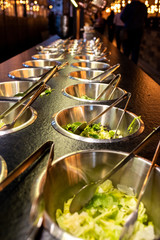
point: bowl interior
(10, 89)
(27, 73)
(110, 119)
(87, 76)
(48, 56)
(92, 90)
(25, 120)
(41, 63)
(87, 166)
(91, 65)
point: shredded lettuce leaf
(104, 216)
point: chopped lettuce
(104, 216)
(93, 131)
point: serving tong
(132, 218)
(25, 164)
(84, 195)
(81, 127)
(37, 88)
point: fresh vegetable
(86, 97)
(93, 131)
(104, 216)
(132, 125)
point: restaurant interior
(79, 121)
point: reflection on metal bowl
(87, 76)
(49, 56)
(91, 65)
(41, 63)
(87, 166)
(25, 120)
(9, 90)
(89, 58)
(85, 113)
(3, 169)
(27, 74)
(92, 90)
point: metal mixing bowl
(91, 65)
(86, 76)
(8, 90)
(48, 56)
(41, 63)
(92, 90)
(85, 113)
(89, 58)
(25, 120)
(71, 172)
(27, 73)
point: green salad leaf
(104, 216)
(132, 125)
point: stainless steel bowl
(89, 58)
(85, 113)
(3, 169)
(86, 76)
(41, 63)
(92, 90)
(90, 165)
(48, 56)
(91, 65)
(25, 120)
(27, 73)
(8, 90)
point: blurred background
(25, 23)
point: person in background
(119, 26)
(134, 15)
(110, 24)
(99, 24)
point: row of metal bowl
(90, 164)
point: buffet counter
(15, 200)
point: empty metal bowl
(89, 58)
(25, 120)
(49, 56)
(91, 65)
(82, 167)
(85, 113)
(3, 169)
(27, 73)
(92, 90)
(41, 63)
(87, 76)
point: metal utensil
(30, 91)
(86, 193)
(116, 80)
(132, 218)
(22, 111)
(24, 165)
(106, 73)
(36, 214)
(81, 127)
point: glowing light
(74, 3)
(50, 6)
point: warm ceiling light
(74, 3)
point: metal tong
(24, 165)
(132, 218)
(85, 194)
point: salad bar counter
(96, 107)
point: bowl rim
(59, 129)
(86, 100)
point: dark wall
(18, 34)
